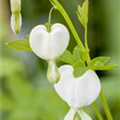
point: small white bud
(16, 22)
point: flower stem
(86, 45)
(59, 7)
(50, 14)
(105, 106)
(68, 21)
(97, 112)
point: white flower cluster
(77, 92)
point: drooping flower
(16, 18)
(77, 92)
(49, 45)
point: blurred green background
(25, 93)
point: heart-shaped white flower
(77, 92)
(49, 45)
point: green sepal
(82, 13)
(79, 68)
(103, 67)
(79, 54)
(48, 26)
(20, 44)
(17, 22)
(99, 61)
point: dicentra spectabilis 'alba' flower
(50, 45)
(16, 18)
(77, 92)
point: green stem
(105, 106)
(97, 112)
(58, 6)
(50, 14)
(48, 25)
(68, 21)
(86, 45)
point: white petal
(83, 115)
(49, 45)
(70, 115)
(77, 92)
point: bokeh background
(25, 93)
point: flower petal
(70, 115)
(83, 115)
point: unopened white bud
(16, 22)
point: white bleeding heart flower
(16, 18)
(16, 23)
(78, 92)
(49, 45)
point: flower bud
(16, 22)
(15, 5)
(53, 74)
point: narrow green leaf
(99, 61)
(103, 67)
(20, 44)
(67, 57)
(82, 13)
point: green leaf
(20, 44)
(103, 67)
(79, 68)
(82, 13)
(79, 54)
(67, 57)
(99, 60)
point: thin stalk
(50, 14)
(97, 112)
(48, 25)
(68, 21)
(105, 106)
(86, 45)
